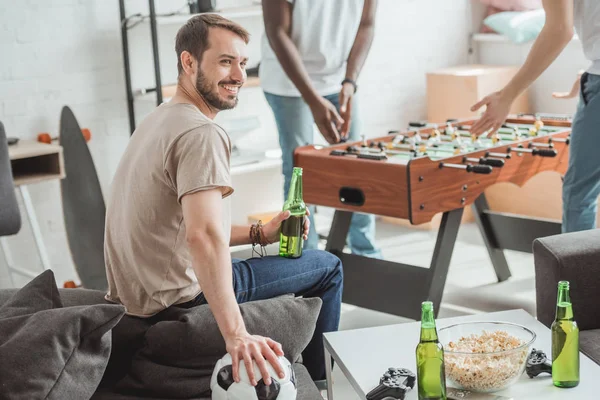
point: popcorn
(479, 370)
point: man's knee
(325, 259)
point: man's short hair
(193, 36)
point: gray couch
(574, 257)
(135, 369)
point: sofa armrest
(574, 257)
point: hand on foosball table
(497, 109)
(272, 228)
(327, 119)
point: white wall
(68, 52)
(559, 77)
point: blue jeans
(295, 125)
(315, 274)
(581, 185)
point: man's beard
(212, 98)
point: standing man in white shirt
(312, 54)
(581, 185)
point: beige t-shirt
(175, 151)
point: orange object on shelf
(45, 137)
(69, 285)
(86, 134)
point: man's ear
(187, 62)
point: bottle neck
(564, 309)
(295, 193)
(428, 329)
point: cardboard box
(452, 91)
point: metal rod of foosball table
(492, 162)
(536, 151)
(377, 151)
(476, 169)
(566, 140)
(538, 144)
(500, 155)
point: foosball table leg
(394, 287)
(496, 253)
(339, 230)
(442, 254)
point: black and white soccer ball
(225, 388)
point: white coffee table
(363, 355)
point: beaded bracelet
(258, 237)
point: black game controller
(537, 362)
(394, 383)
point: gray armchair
(574, 257)
(10, 217)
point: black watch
(348, 80)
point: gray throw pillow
(52, 352)
(181, 350)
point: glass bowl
(485, 356)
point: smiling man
(168, 222)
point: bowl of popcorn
(485, 356)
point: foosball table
(418, 173)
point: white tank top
(324, 32)
(586, 14)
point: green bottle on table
(292, 229)
(565, 341)
(431, 374)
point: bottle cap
(297, 170)
(427, 306)
(563, 284)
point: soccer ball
(225, 388)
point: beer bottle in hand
(565, 341)
(431, 373)
(292, 229)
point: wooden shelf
(29, 178)
(31, 148)
(33, 162)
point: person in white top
(581, 185)
(312, 54)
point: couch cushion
(181, 350)
(48, 351)
(127, 335)
(69, 297)
(306, 390)
(589, 344)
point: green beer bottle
(565, 341)
(431, 374)
(292, 229)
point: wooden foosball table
(418, 173)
